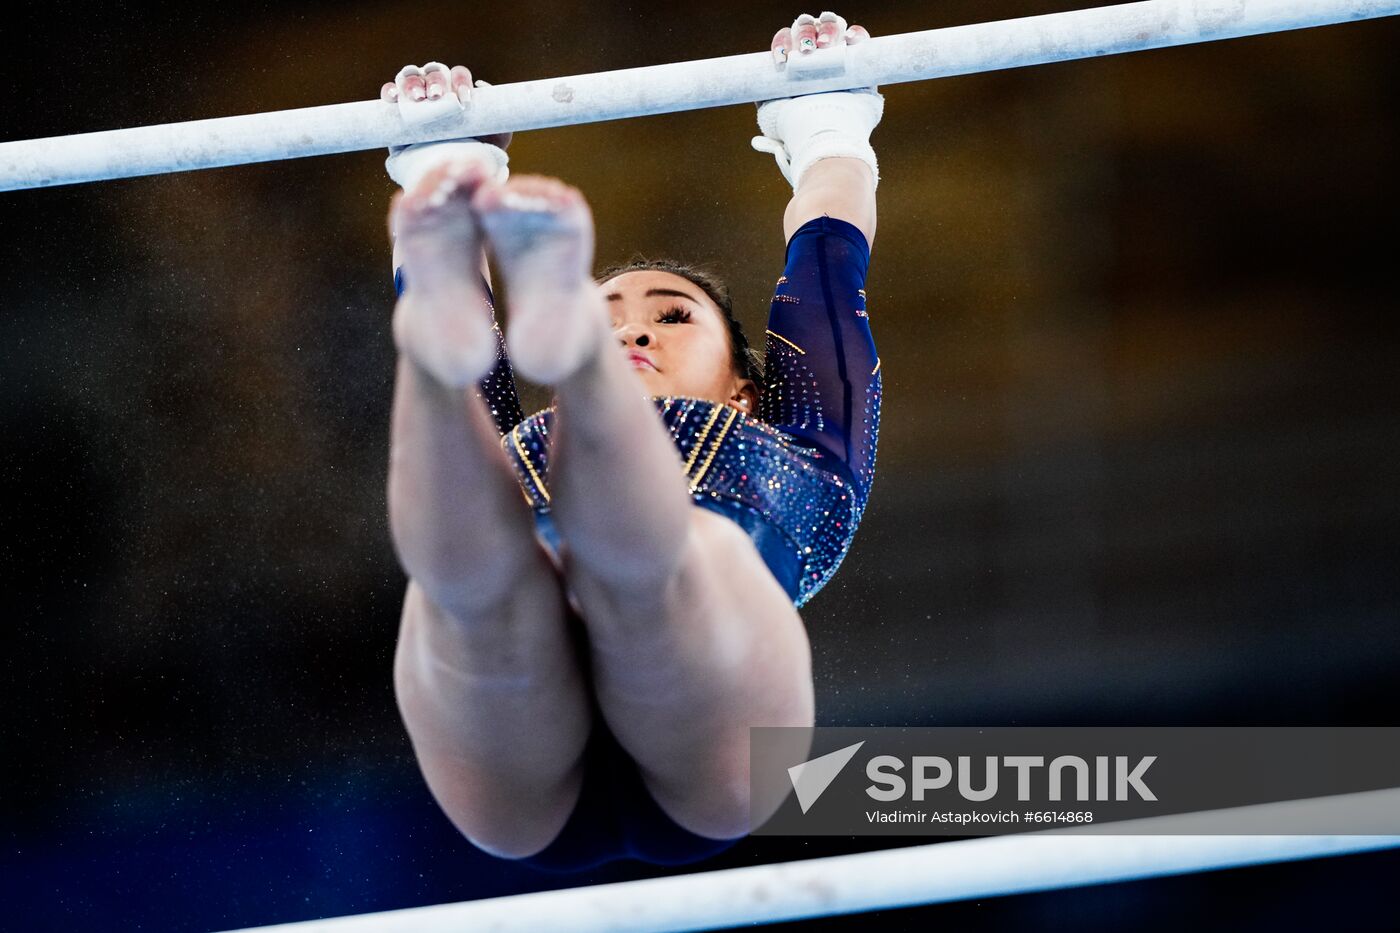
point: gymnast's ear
(745, 397)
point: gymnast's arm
(822, 382)
(840, 188)
(822, 141)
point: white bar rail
(633, 92)
(905, 877)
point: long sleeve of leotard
(821, 372)
(497, 387)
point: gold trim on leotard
(525, 459)
(877, 366)
(700, 441)
(714, 449)
(786, 341)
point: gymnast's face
(675, 337)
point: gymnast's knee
(715, 805)
(519, 827)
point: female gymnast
(578, 671)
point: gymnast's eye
(676, 315)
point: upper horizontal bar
(634, 92)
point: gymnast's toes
(538, 226)
(532, 194)
(453, 182)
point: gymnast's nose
(636, 334)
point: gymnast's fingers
(856, 34)
(410, 82)
(435, 80)
(782, 44)
(804, 33)
(830, 30)
(462, 83)
(389, 92)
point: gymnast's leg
(488, 680)
(692, 639)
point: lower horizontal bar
(905, 877)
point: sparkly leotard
(796, 478)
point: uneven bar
(634, 92)
(905, 877)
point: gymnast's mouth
(640, 361)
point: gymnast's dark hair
(746, 360)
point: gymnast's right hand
(428, 93)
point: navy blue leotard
(796, 478)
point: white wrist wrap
(800, 130)
(408, 164)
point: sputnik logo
(811, 778)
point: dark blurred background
(1138, 461)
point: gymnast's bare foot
(442, 322)
(541, 233)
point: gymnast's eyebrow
(617, 296)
